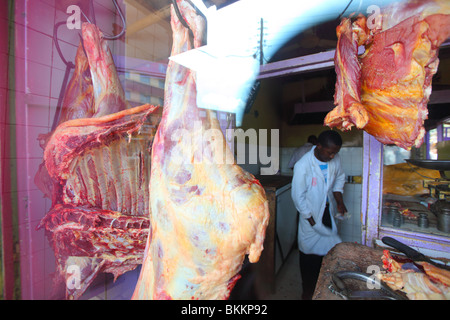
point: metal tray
(441, 165)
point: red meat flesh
(207, 213)
(385, 91)
(96, 170)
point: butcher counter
(347, 256)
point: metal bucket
(443, 220)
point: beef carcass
(96, 170)
(207, 213)
(385, 91)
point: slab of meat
(349, 110)
(385, 91)
(100, 169)
(80, 100)
(206, 212)
(96, 170)
(77, 103)
(79, 95)
(87, 241)
(427, 283)
(103, 162)
(109, 96)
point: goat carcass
(96, 170)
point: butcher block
(346, 256)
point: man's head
(328, 145)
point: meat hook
(70, 65)
(183, 20)
(122, 18)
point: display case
(378, 220)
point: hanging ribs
(96, 170)
(103, 162)
(87, 241)
(386, 90)
(207, 213)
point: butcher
(317, 192)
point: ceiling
(314, 40)
(317, 39)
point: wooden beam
(139, 5)
(315, 106)
(439, 96)
(312, 62)
(150, 19)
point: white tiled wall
(38, 77)
(350, 229)
(351, 160)
(285, 157)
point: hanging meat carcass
(385, 91)
(207, 214)
(96, 170)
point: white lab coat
(309, 193)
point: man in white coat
(317, 188)
(301, 151)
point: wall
(352, 164)
(270, 110)
(147, 39)
(8, 240)
(38, 72)
(264, 114)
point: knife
(411, 253)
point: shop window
(144, 79)
(145, 98)
(395, 155)
(432, 144)
(446, 131)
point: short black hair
(329, 137)
(312, 139)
